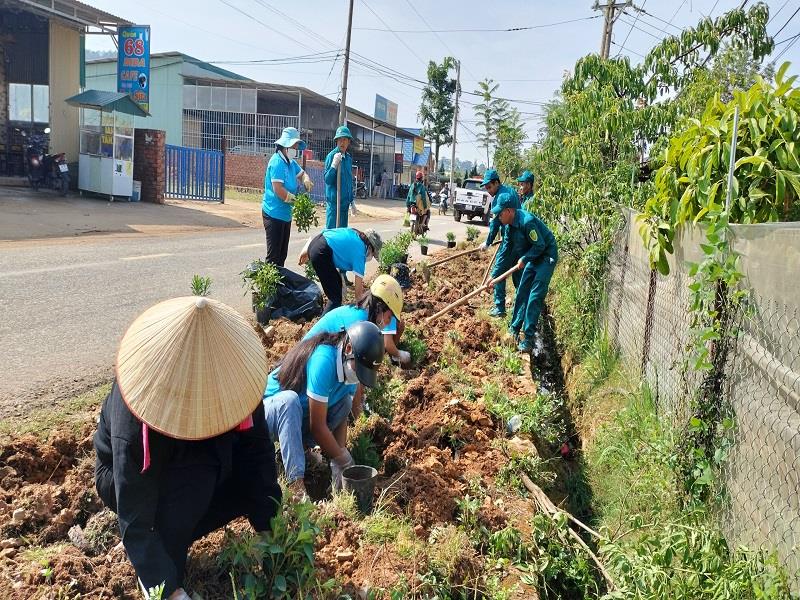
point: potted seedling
(304, 213)
(261, 279)
(451, 239)
(423, 244)
(201, 286)
(403, 242)
(472, 233)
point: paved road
(66, 303)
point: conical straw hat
(191, 368)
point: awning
(107, 101)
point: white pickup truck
(472, 201)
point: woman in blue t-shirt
(342, 249)
(313, 390)
(282, 182)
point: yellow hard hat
(387, 289)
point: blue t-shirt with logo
(278, 169)
(349, 251)
(324, 379)
(339, 319)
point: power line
(621, 48)
(314, 35)
(788, 39)
(785, 50)
(625, 41)
(401, 40)
(269, 27)
(637, 28)
(778, 11)
(675, 14)
(657, 18)
(436, 31)
(794, 14)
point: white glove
(484, 247)
(404, 357)
(179, 594)
(337, 159)
(309, 185)
(290, 198)
(338, 465)
(353, 210)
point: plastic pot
(404, 258)
(424, 250)
(360, 480)
(451, 244)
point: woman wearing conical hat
(182, 444)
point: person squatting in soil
(335, 251)
(281, 185)
(504, 259)
(381, 305)
(182, 444)
(532, 246)
(311, 392)
(418, 196)
(339, 159)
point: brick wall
(148, 163)
(248, 171)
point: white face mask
(291, 153)
(350, 375)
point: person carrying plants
(526, 190)
(313, 390)
(182, 443)
(339, 160)
(533, 247)
(503, 260)
(281, 185)
(381, 305)
(341, 250)
(418, 196)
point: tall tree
(508, 153)
(491, 111)
(438, 106)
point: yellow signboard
(419, 145)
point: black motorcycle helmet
(366, 341)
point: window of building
(28, 103)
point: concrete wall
(166, 94)
(65, 65)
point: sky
(399, 35)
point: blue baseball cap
(289, 137)
(489, 175)
(504, 200)
(526, 177)
(343, 132)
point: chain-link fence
(648, 318)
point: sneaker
(525, 346)
(497, 312)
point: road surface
(65, 304)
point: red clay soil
(437, 448)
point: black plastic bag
(297, 298)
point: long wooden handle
(452, 256)
(473, 293)
(489, 267)
(339, 192)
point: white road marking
(144, 256)
(249, 246)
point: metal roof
(70, 11)
(184, 57)
(107, 101)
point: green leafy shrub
(423, 240)
(261, 278)
(508, 360)
(362, 448)
(273, 564)
(413, 343)
(394, 251)
(472, 233)
(541, 415)
(310, 273)
(304, 213)
(201, 286)
(531, 465)
(451, 237)
(382, 398)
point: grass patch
(382, 399)
(414, 343)
(508, 360)
(510, 474)
(541, 415)
(71, 414)
(243, 195)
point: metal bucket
(360, 480)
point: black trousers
(321, 257)
(277, 232)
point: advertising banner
(133, 63)
(398, 163)
(385, 110)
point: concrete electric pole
(455, 128)
(610, 15)
(343, 105)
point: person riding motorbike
(418, 203)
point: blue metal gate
(194, 173)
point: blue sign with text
(133, 63)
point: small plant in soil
(362, 448)
(541, 415)
(508, 544)
(273, 564)
(201, 286)
(304, 213)
(382, 398)
(508, 360)
(393, 251)
(310, 273)
(531, 465)
(451, 237)
(472, 233)
(413, 343)
(261, 278)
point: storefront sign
(419, 145)
(385, 110)
(133, 63)
(398, 163)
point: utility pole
(455, 127)
(343, 105)
(610, 15)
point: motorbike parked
(361, 190)
(45, 170)
(443, 195)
